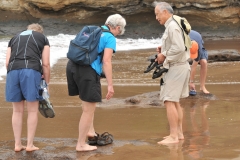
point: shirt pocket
(164, 40)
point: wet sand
(211, 127)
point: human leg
(85, 123)
(92, 136)
(29, 83)
(17, 120)
(192, 75)
(89, 89)
(91, 132)
(32, 121)
(203, 75)
(172, 115)
(180, 119)
(176, 88)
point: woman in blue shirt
(85, 80)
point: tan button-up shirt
(173, 47)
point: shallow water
(211, 130)
(211, 127)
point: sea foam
(60, 43)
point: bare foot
(86, 147)
(169, 140)
(166, 137)
(18, 149)
(32, 148)
(91, 134)
(204, 90)
(180, 136)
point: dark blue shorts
(22, 84)
(202, 55)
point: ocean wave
(60, 43)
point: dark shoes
(105, 139)
(101, 140)
(192, 93)
(46, 109)
(93, 140)
(159, 71)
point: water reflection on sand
(211, 129)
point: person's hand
(110, 92)
(48, 89)
(160, 58)
(192, 86)
(159, 49)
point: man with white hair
(85, 80)
(174, 56)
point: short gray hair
(116, 20)
(35, 27)
(163, 6)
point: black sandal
(93, 140)
(105, 139)
(46, 109)
(159, 71)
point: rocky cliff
(214, 18)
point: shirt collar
(105, 27)
(167, 22)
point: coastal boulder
(208, 15)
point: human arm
(159, 49)
(107, 68)
(192, 75)
(8, 56)
(46, 63)
(160, 58)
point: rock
(133, 100)
(217, 55)
(147, 100)
(221, 10)
(224, 55)
(212, 18)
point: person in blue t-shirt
(85, 81)
(202, 60)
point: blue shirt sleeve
(107, 40)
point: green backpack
(186, 28)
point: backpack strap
(105, 30)
(181, 21)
